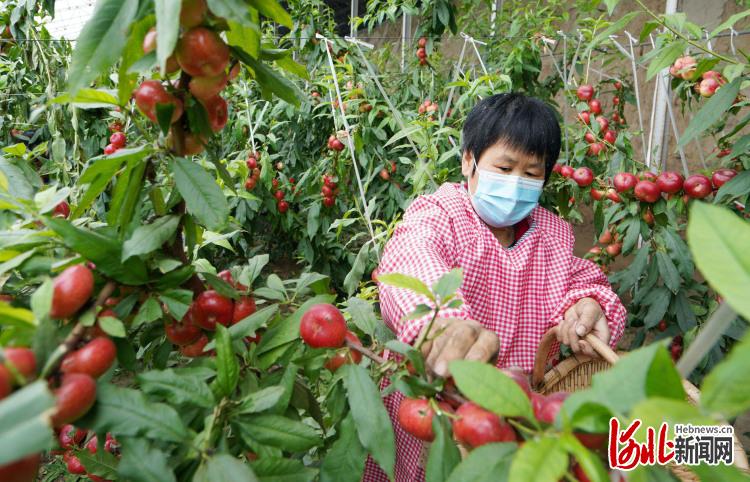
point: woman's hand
(457, 340)
(583, 317)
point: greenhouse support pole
(405, 36)
(636, 88)
(497, 9)
(396, 114)
(353, 15)
(657, 156)
(455, 78)
(350, 142)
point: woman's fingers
(460, 337)
(485, 348)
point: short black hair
(525, 124)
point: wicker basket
(575, 373)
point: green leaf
(487, 463)
(278, 431)
(729, 22)
(224, 468)
(177, 301)
(270, 81)
(249, 326)
(632, 228)
(150, 237)
(490, 388)
(12, 316)
(653, 412)
(313, 220)
(24, 421)
(373, 423)
(407, 282)
(738, 186)
(237, 10)
(668, 271)
(724, 473)
(102, 250)
(89, 99)
(100, 42)
(658, 302)
(725, 390)
(712, 111)
(227, 366)
(143, 462)
(261, 400)
(345, 461)
(132, 52)
(177, 388)
(167, 29)
(351, 282)
(589, 461)
(272, 469)
(615, 27)
(245, 36)
(149, 311)
(100, 172)
(127, 412)
(102, 463)
(666, 57)
(362, 314)
(273, 10)
(202, 195)
(718, 241)
(643, 373)
(540, 460)
(611, 4)
(15, 261)
(41, 300)
(448, 283)
(287, 63)
(253, 269)
(112, 326)
(443, 455)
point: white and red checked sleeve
(422, 246)
(588, 281)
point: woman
(520, 277)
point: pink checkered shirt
(517, 292)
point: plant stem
(520, 426)
(75, 335)
(366, 352)
(683, 37)
(423, 335)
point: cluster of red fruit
(385, 174)
(647, 186)
(278, 193)
(473, 426)
(612, 245)
(72, 439)
(422, 50)
(335, 144)
(208, 309)
(204, 59)
(76, 392)
(253, 168)
(428, 107)
(606, 136)
(116, 142)
(323, 326)
(329, 190)
(685, 68)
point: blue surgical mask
(503, 200)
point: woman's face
(502, 160)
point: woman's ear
(467, 164)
